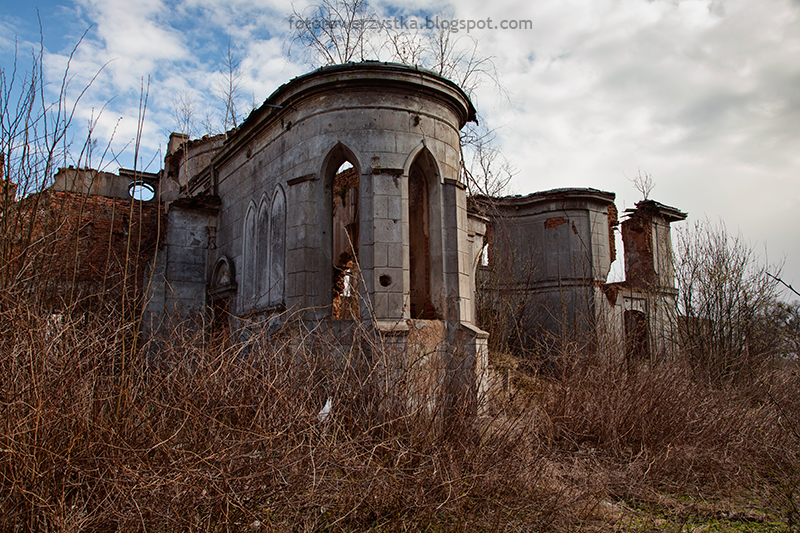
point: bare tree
(460, 59)
(406, 47)
(228, 87)
(644, 183)
(486, 172)
(727, 298)
(333, 31)
(183, 113)
(338, 31)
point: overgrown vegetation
(733, 326)
(200, 437)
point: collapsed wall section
(645, 304)
(86, 240)
(544, 288)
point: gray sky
(703, 95)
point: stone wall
(177, 293)
(545, 285)
(300, 238)
(548, 252)
(382, 119)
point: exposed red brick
(637, 237)
(554, 222)
(613, 221)
(346, 179)
(71, 246)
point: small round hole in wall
(385, 280)
(141, 190)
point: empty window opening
(484, 256)
(249, 254)
(262, 254)
(345, 242)
(636, 343)
(141, 190)
(419, 245)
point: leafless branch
(228, 87)
(644, 183)
(332, 32)
(779, 280)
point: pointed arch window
(422, 176)
(262, 254)
(264, 251)
(277, 247)
(248, 254)
(345, 242)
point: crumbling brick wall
(76, 248)
(638, 241)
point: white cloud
(701, 94)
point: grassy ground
(97, 435)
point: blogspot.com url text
(412, 24)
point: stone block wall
(548, 252)
(350, 245)
(382, 119)
(549, 258)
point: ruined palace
(338, 202)
(543, 277)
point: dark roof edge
(282, 99)
(671, 214)
(552, 194)
(374, 65)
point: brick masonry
(78, 247)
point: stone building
(543, 281)
(337, 202)
(337, 205)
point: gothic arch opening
(277, 248)
(344, 179)
(249, 239)
(262, 253)
(424, 235)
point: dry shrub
(658, 430)
(101, 434)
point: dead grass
(99, 434)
